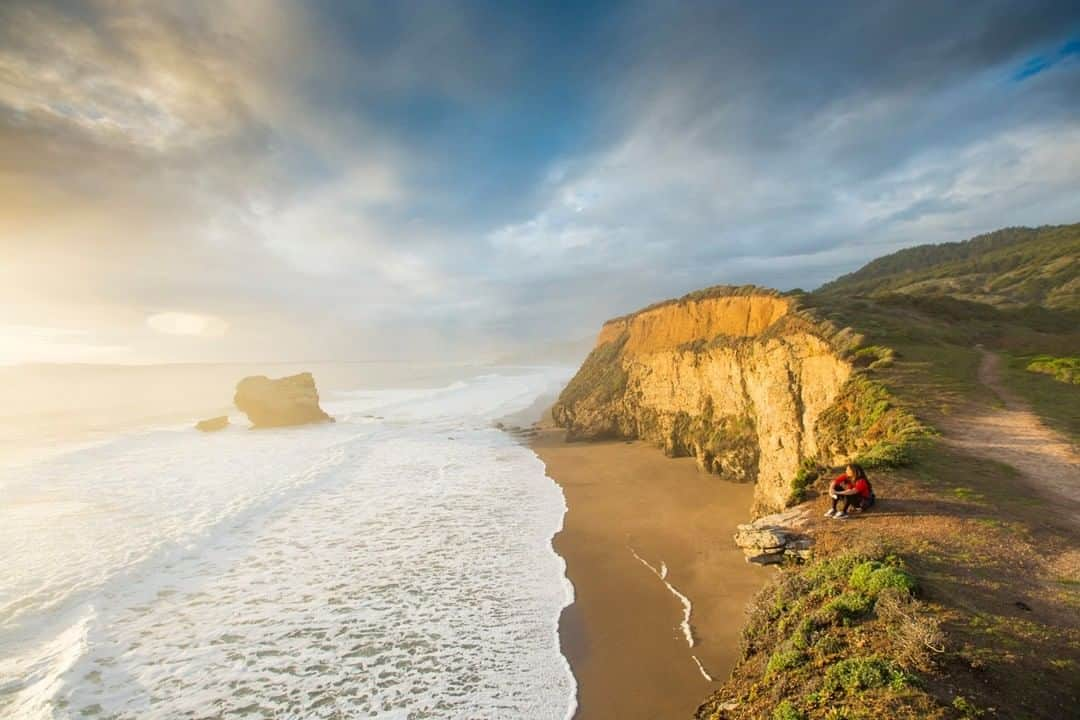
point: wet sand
(623, 634)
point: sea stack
(280, 402)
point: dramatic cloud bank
(275, 180)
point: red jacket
(862, 487)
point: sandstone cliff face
(736, 378)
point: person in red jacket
(837, 487)
(853, 489)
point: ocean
(394, 564)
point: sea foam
(397, 563)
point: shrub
(1062, 369)
(864, 673)
(809, 471)
(833, 568)
(849, 606)
(784, 660)
(884, 455)
(874, 357)
(787, 711)
(803, 634)
(916, 635)
(872, 577)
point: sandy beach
(638, 522)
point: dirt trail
(1014, 435)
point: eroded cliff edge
(742, 379)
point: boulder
(213, 424)
(761, 538)
(280, 402)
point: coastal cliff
(738, 378)
(961, 584)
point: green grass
(1013, 266)
(1062, 369)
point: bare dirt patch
(1047, 462)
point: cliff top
(719, 314)
(709, 293)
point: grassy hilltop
(1014, 267)
(958, 596)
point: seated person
(854, 489)
(839, 485)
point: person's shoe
(841, 516)
(830, 513)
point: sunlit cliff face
(230, 180)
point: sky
(255, 180)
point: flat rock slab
(769, 539)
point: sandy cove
(638, 522)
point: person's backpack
(873, 498)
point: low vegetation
(1062, 369)
(842, 634)
(865, 417)
(601, 376)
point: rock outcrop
(279, 402)
(213, 424)
(735, 377)
(771, 538)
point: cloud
(355, 180)
(183, 323)
(742, 150)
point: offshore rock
(213, 424)
(291, 400)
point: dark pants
(850, 501)
(845, 499)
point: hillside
(1012, 267)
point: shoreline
(659, 587)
